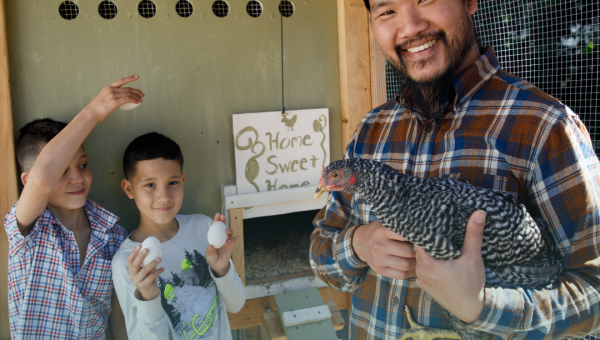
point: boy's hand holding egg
(221, 242)
(143, 261)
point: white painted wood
(275, 152)
(284, 286)
(226, 190)
(284, 208)
(270, 197)
(306, 315)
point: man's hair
(368, 5)
(32, 139)
(150, 146)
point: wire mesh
(220, 8)
(107, 9)
(68, 10)
(254, 8)
(147, 9)
(184, 8)
(286, 8)
(554, 44)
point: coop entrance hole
(277, 247)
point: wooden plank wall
(8, 170)
(355, 75)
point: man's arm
(52, 161)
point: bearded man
(459, 115)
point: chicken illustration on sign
(274, 152)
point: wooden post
(355, 71)
(236, 222)
(8, 169)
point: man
(459, 115)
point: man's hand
(112, 96)
(144, 278)
(458, 285)
(384, 251)
(218, 259)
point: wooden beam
(253, 310)
(8, 169)
(236, 222)
(355, 71)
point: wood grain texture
(8, 169)
(236, 222)
(355, 72)
(253, 310)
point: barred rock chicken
(517, 249)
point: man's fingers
(124, 81)
(474, 234)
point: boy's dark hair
(152, 145)
(368, 5)
(32, 139)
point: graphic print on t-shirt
(190, 298)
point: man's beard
(428, 97)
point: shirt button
(82, 333)
(396, 301)
(429, 128)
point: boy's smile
(157, 188)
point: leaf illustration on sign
(252, 167)
(318, 127)
(289, 122)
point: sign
(274, 152)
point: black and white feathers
(433, 214)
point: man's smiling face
(424, 39)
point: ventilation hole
(147, 9)
(184, 8)
(254, 8)
(286, 8)
(68, 10)
(107, 9)
(220, 8)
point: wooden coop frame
(355, 86)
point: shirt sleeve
(16, 241)
(565, 187)
(231, 289)
(143, 319)
(332, 257)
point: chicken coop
(203, 62)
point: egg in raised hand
(154, 249)
(217, 235)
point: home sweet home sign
(275, 151)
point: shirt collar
(101, 220)
(473, 77)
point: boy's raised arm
(54, 158)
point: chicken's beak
(320, 190)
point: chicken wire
(554, 44)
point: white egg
(217, 235)
(129, 106)
(154, 249)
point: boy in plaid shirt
(61, 244)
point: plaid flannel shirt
(500, 133)
(50, 297)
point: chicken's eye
(335, 175)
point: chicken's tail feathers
(540, 272)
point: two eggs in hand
(216, 237)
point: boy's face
(157, 188)
(72, 189)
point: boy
(60, 243)
(197, 283)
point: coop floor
(277, 247)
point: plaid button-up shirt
(500, 133)
(50, 297)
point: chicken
(517, 249)
(289, 122)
